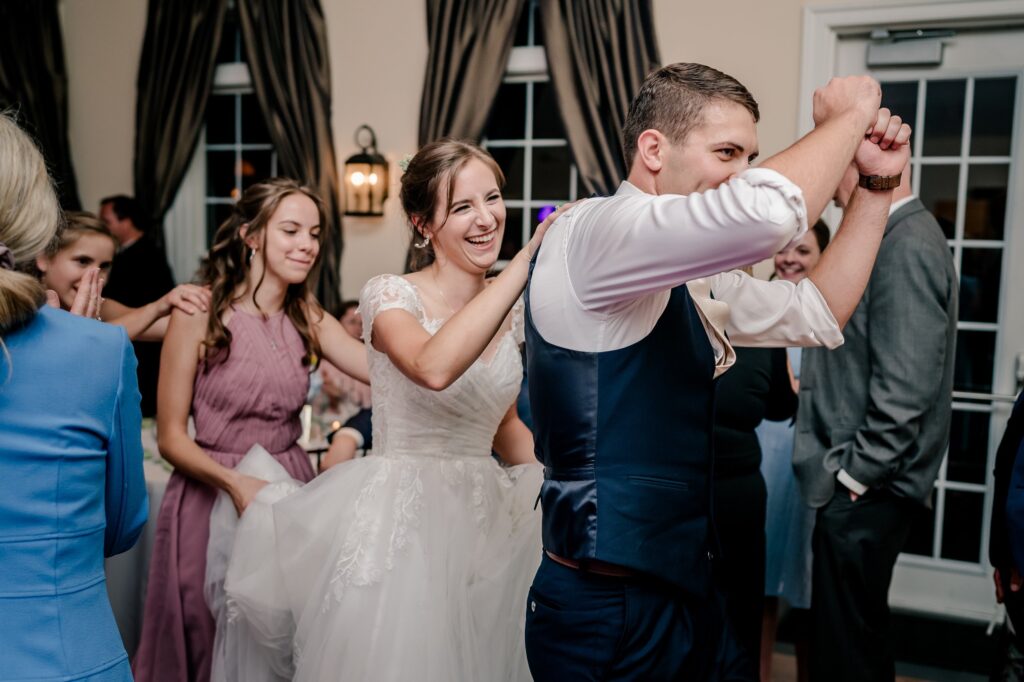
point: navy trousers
(583, 626)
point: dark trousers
(855, 549)
(1009, 664)
(582, 626)
(148, 355)
(740, 503)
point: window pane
(986, 201)
(938, 194)
(256, 167)
(538, 214)
(254, 130)
(901, 99)
(508, 117)
(522, 38)
(974, 360)
(992, 122)
(961, 527)
(511, 160)
(944, 117)
(220, 175)
(229, 49)
(551, 172)
(968, 447)
(922, 532)
(220, 120)
(538, 28)
(512, 241)
(547, 121)
(216, 214)
(980, 272)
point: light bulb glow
(358, 179)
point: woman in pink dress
(242, 372)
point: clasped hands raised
(884, 149)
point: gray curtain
(34, 85)
(469, 42)
(599, 52)
(286, 48)
(179, 56)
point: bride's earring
(252, 252)
(423, 244)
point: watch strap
(880, 182)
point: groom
(625, 338)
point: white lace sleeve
(386, 292)
(519, 322)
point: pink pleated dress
(254, 397)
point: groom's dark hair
(672, 100)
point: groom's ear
(650, 149)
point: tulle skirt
(410, 567)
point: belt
(594, 566)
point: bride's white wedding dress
(410, 564)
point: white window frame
(529, 65)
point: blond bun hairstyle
(29, 218)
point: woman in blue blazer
(71, 483)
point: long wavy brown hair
(226, 268)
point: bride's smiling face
(470, 237)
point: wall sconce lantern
(366, 177)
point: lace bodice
(459, 421)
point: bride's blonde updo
(430, 172)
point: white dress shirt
(604, 273)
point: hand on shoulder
(188, 326)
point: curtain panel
(34, 85)
(468, 47)
(176, 70)
(287, 52)
(598, 53)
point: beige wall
(102, 44)
(378, 58)
(378, 52)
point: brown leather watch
(880, 182)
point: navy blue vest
(625, 439)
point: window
(526, 137)
(233, 151)
(962, 162)
(236, 145)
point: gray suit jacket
(879, 406)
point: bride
(413, 563)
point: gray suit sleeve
(908, 315)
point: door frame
(822, 27)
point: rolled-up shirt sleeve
(637, 243)
(777, 313)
